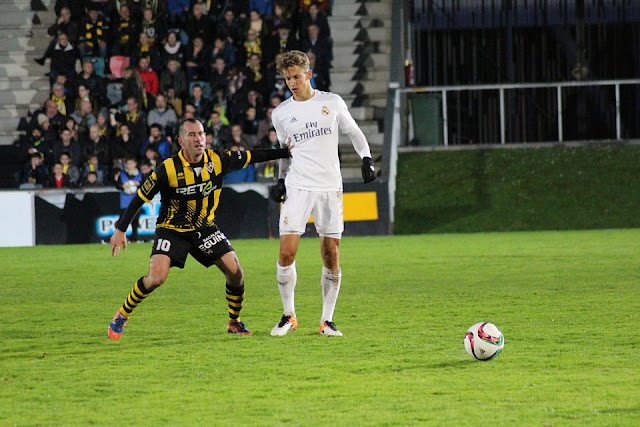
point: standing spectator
(134, 87)
(197, 60)
(64, 24)
(173, 49)
(173, 77)
(34, 171)
(281, 15)
(137, 118)
(128, 181)
(92, 35)
(124, 32)
(268, 171)
(67, 145)
(255, 74)
(59, 179)
(162, 114)
(149, 77)
(64, 57)
(264, 125)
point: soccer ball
(130, 187)
(483, 341)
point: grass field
(567, 302)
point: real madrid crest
(325, 111)
(210, 167)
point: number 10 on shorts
(163, 245)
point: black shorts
(206, 245)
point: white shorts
(325, 207)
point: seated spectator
(320, 78)
(125, 146)
(93, 166)
(71, 124)
(162, 114)
(177, 10)
(33, 142)
(172, 49)
(238, 137)
(98, 145)
(134, 87)
(69, 168)
(64, 24)
(174, 101)
(281, 15)
(264, 125)
(314, 16)
(104, 125)
(59, 179)
(124, 33)
(250, 126)
(34, 171)
(145, 169)
(64, 57)
(84, 94)
(96, 84)
(252, 44)
(63, 104)
(323, 5)
(268, 171)
(92, 180)
(152, 156)
(85, 119)
(247, 174)
(92, 39)
(69, 89)
(203, 105)
(189, 111)
(144, 49)
(221, 110)
(173, 77)
(149, 77)
(237, 87)
(223, 49)
(257, 24)
(263, 7)
(136, 118)
(153, 25)
(198, 25)
(230, 28)
(219, 75)
(275, 100)
(67, 145)
(321, 46)
(197, 60)
(219, 132)
(282, 42)
(158, 141)
(255, 74)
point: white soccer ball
(130, 187)
(483, 341)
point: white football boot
(286, 324)
(328, 328)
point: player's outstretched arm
(118, 239)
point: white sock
(330, 283)
(287, 277)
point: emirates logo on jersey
(325, 111)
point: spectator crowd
(145, 65)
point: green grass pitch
(568, 304)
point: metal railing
(400, 105)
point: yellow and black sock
(138, 293)
(235, 296)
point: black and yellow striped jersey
(190, 193)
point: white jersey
(310, 129)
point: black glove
(278, 191)
(368, 172)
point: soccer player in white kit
(310, 183)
